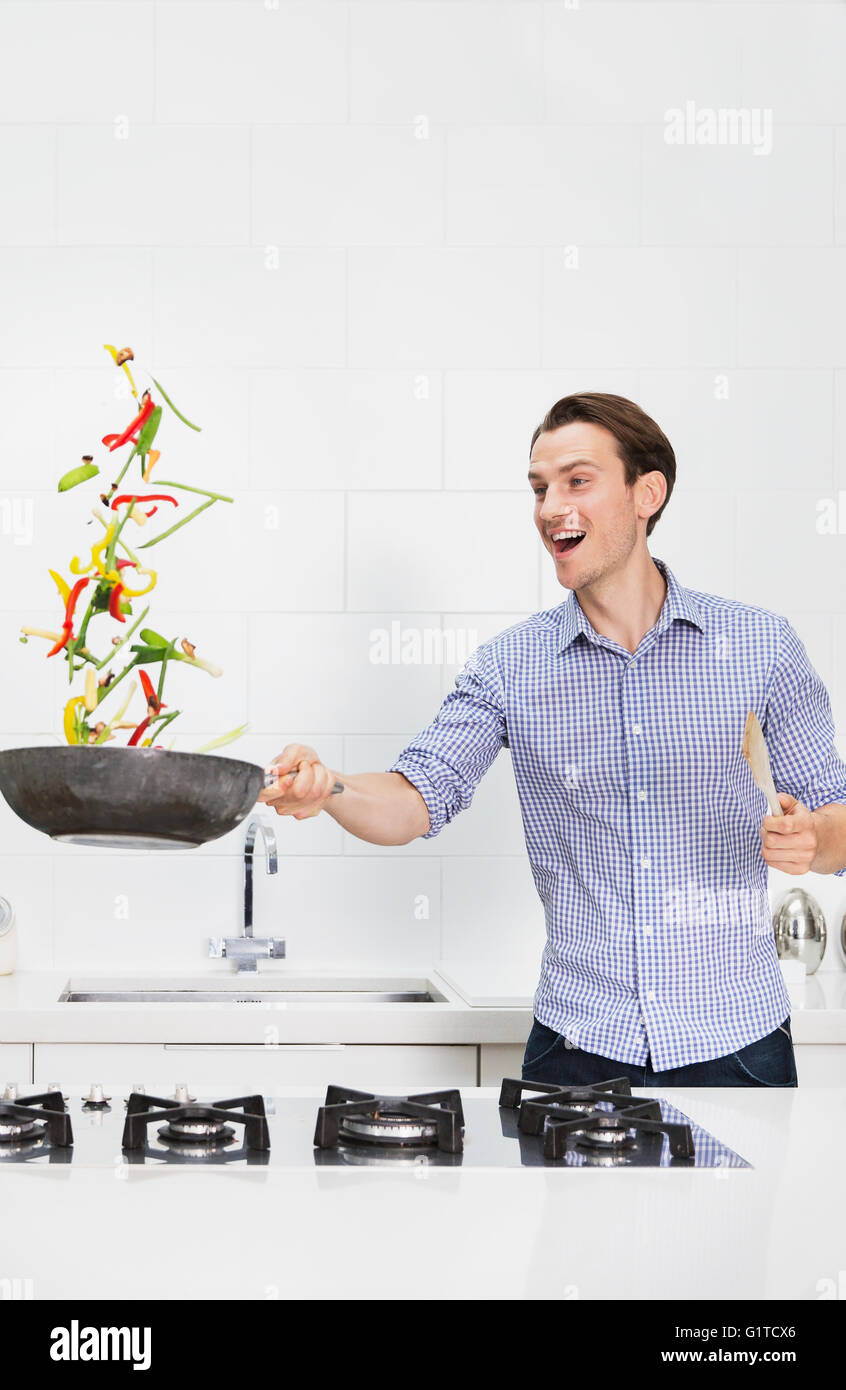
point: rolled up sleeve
(800, 730)
(447, 760)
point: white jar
(8, 938)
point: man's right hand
(304, 795)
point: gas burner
(388, 1128)
(196, 1131)
(433, 1119)
(575, 1107)
(20, 1129)
(606, 1132)
(200, 1126)
(24, 1120)
(604, 1118)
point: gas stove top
(530, 1126)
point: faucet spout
(268, 835)
(244, 950)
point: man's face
(578, 479)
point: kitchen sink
(291, 990)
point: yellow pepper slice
(70, 710)
(96, 551)
(61, 584)
(136, 593)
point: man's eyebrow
(565, 468)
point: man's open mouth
(565, 541)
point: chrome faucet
(246, 949)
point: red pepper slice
(63, 640)
(152, 697)
(136, 733)
(144, 497)
(114, 441)
(67, 625)
(114, 603)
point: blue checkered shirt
(641, 816)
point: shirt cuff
(435, 803)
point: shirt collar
(678, 603)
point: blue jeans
(767, 1062)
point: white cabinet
(498, 1060)
(242, 1069)
(15, 1063)
(818, 1065)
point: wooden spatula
(755, 753)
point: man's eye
(539, 490)
(578, 480)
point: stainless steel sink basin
(296, 990)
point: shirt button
(636, 729)
(650, 997)
(647, 931)
(642, 795)
(644, 863)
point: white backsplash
(365, 247)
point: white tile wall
(365, 246)
(444, 306)
(639, 306)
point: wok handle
(270, 777)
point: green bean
(173, 407)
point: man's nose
(558, 508)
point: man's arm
(382, 807)
(831, 839)
(432, 780)
(811, 835)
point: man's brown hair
(641, 445)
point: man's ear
(652, 491)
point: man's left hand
(790, 843)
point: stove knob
(96, 1095)
(53, 1086)
(10, 1091)
(181, 1094)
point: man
(624, 709)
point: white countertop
(475, 1009)
(776, 1231)
(30, 1011)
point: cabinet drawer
(15, 1063)
(820, 1065)
(497, 1060)
(212, 1069)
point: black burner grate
(47, 1110)
(433, 1118)
(606, 1114)
(142, 1110)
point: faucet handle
(246, 951)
